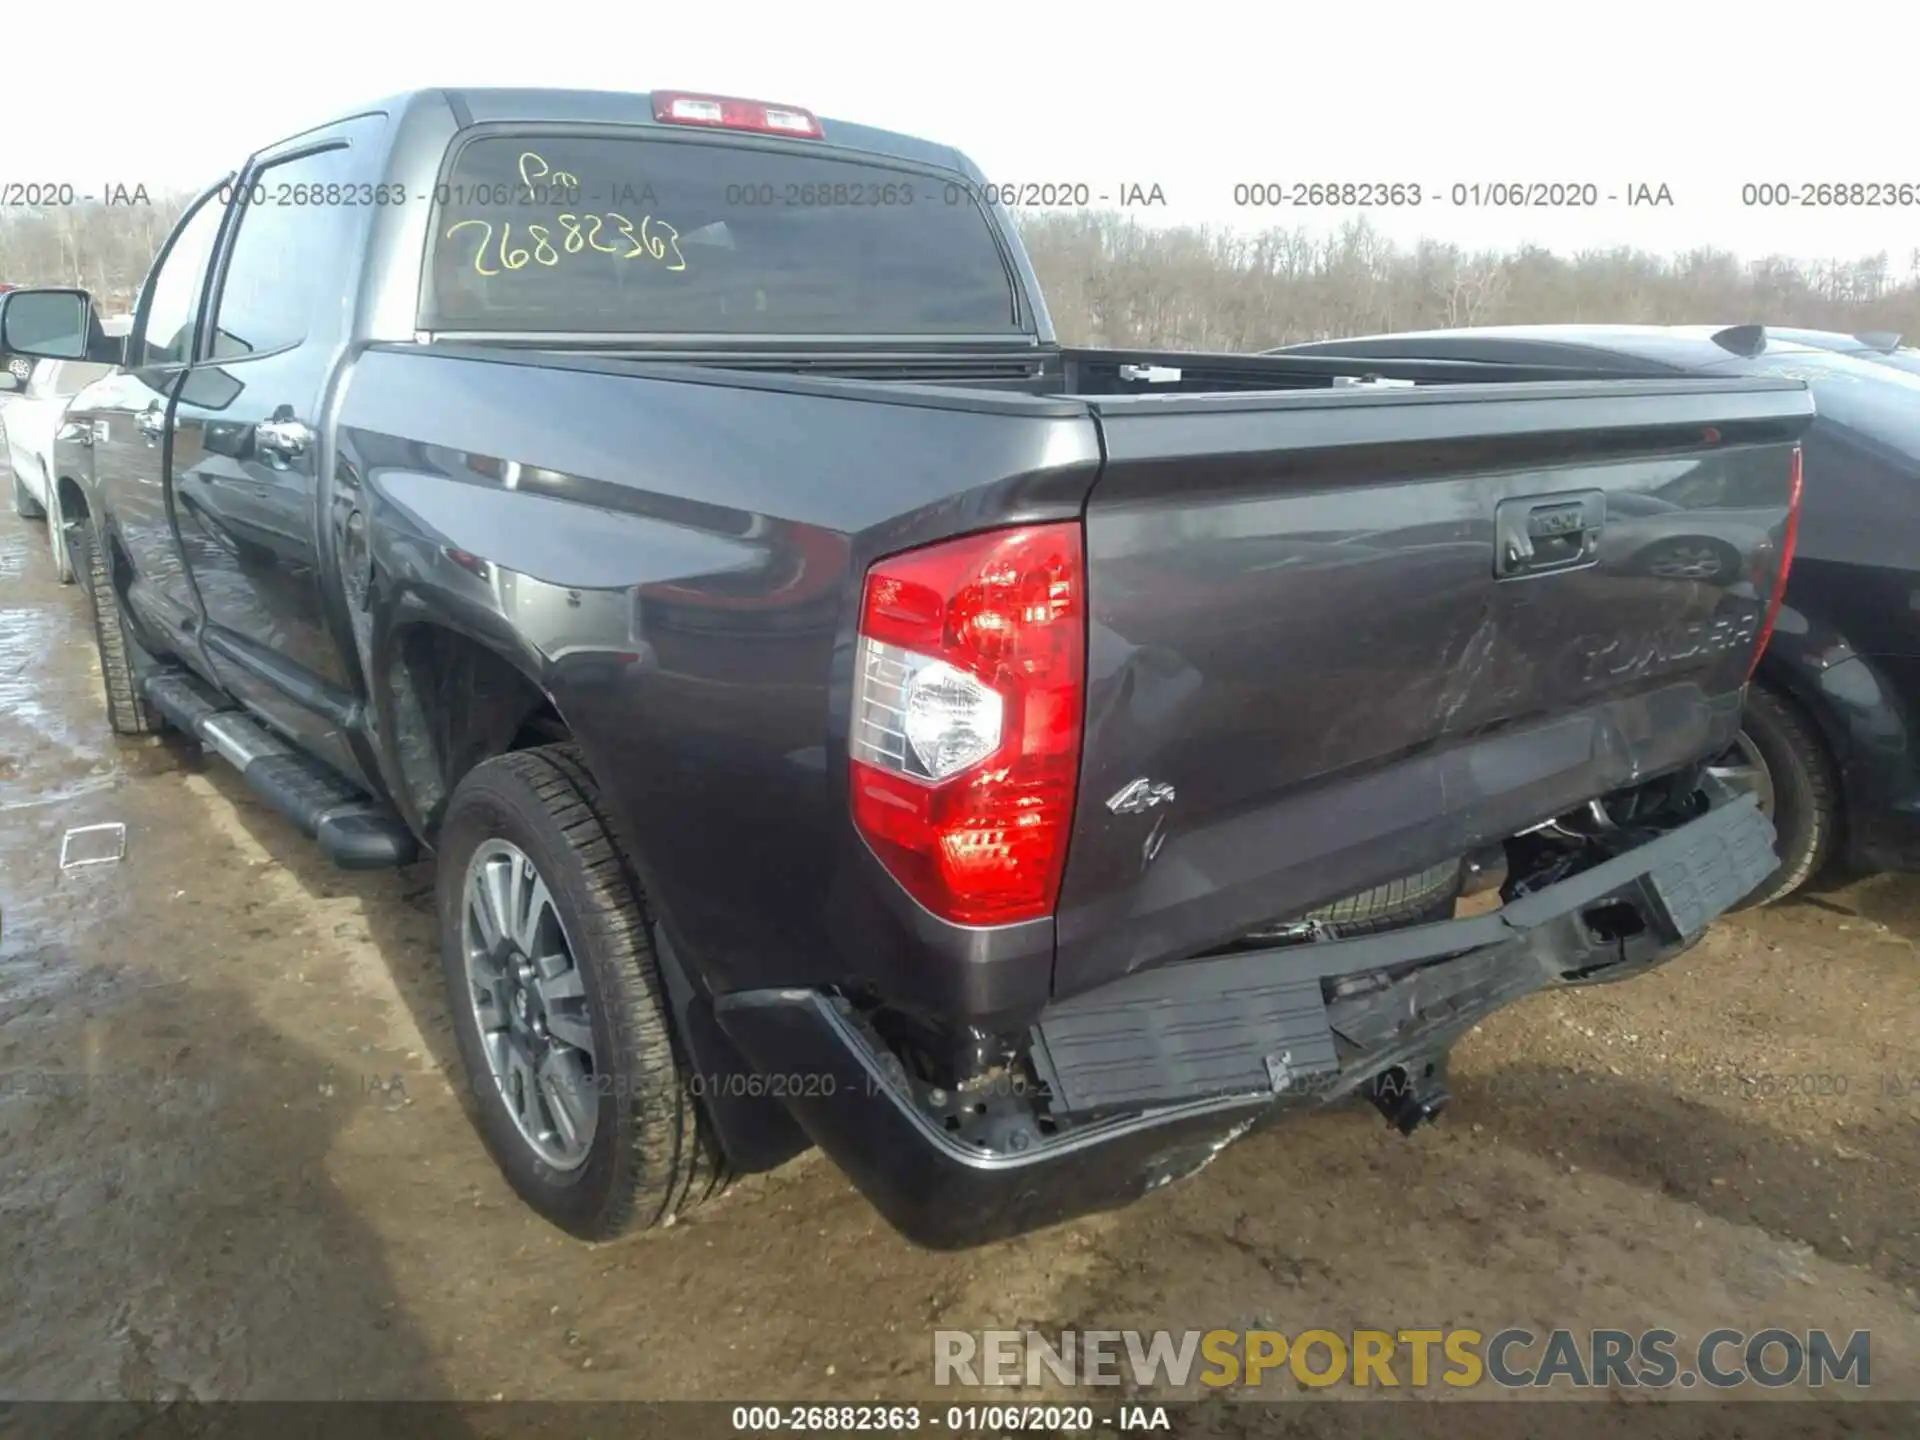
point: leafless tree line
(1110, 280)
(104, 249)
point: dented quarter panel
(673, 556)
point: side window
(298, 213)
(173, 300)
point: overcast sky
(1697, 95)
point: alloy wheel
(530, 1003)
(1744, 770)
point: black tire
(128, 712)
(652, 1155)
(1413, 900)
(24, 505)
(1417, 899)
(1806, 794)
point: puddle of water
(30, 643)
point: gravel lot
(232, 1164)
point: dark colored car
(1881, 347)
(1831, 739)
(839, 712)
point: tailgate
(1337, 637)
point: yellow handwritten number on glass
(593, 234)
(626, 230)
(673, 244)
(575, 241)
(543, 250)
(506, 255)
(485, 240)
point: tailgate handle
(1542, 534)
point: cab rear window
(562, 232)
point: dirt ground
(212, 1186)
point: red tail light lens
(1787, 542)
(969, 689)
(726, 112)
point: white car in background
(31, 413)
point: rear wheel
(127, 709)
(1780, 759)
(557, 1002)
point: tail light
(725, 112)
(968, 694)
(1787, 542)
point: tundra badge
(1138, 796)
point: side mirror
(51, 325)
(8, 381)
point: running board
(353, 831)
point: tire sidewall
(1796, 801)
(485, 808)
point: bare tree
(1189, 288)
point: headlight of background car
(21, 368)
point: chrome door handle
(151, 422)
(282, 438)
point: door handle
(281, 437)
(151, 422)
(1541, 534)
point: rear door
(1347, 636)
(248, 425)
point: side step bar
(353, 831)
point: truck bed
(1295, 620)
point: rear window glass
(609, 234)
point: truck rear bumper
(1147, 1079)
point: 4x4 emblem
(1139, 796)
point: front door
(127, 418)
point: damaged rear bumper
(1148, 1078)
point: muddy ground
(211, 1187)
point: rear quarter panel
(674, 557)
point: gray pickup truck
(839, 713)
